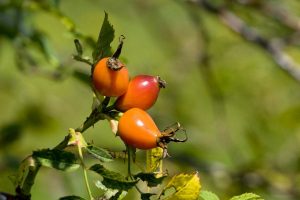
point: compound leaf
(113, 180)
(57, 159)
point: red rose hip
(142, 92)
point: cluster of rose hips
(134, 96)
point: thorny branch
(275, 11)
(214, 89)
(236, 24)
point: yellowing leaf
(154, 160)
(187, 187)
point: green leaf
(106, 36)
(57, 159)
(187, 187)
(247, 196)
(207, 195)
(111, 194)
(113, 179)
(99, 153)
(151, 178)
(71, 198)
(119, 195)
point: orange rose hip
(110, 77)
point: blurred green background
(240, 110)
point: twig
(85, 173)
(236, 24)
(277, 12)
(214, 89)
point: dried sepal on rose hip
(110, 76)
(137, 129)
(142, 92)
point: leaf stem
(85, 173)
(81, 59)
(129, 168)
(129, 160)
